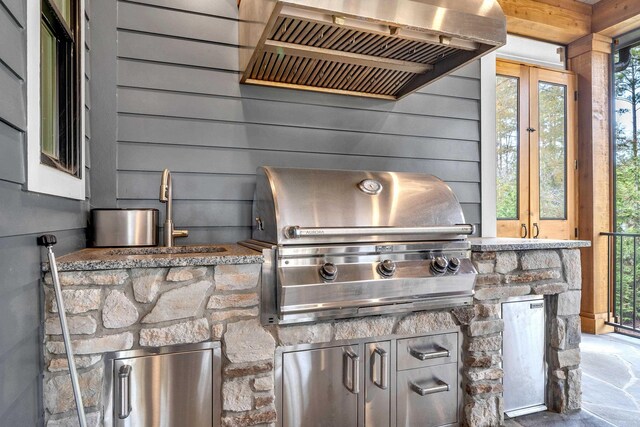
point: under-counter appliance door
(165, 390)
(523, 355)
(320, 388)
(427, 397)
(377, 411)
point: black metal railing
(624, 273)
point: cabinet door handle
(351, 372)
(384, 369)
(124, 391)
(524, 231)
(536, 230)
(421, 355)
(423, 391)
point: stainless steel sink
(177, 250)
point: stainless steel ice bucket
(124, 227)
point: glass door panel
(512, 150)
(552, 141)
(507, 150)
(552, 146)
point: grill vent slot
(328, 74)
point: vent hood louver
(377, 48)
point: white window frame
(42, 178)
(488, 194)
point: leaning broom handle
(49, 241)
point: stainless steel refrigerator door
(320, 388)
(377, 411)
(523, 354)
(165, 390)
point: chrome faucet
(166, 196)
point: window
(55, 94)
(535, 152)
(59, 85)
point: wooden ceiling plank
(559, 21)
(615, 17)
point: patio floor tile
(610, 386)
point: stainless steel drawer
(427, 397)
(427, 351)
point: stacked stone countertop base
(129, 308)
(553, 273)
(122, 309)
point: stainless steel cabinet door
(165, 390)
(377, 409)
(320, 387)
(523, 354)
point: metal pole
(65, 335)
(633, 307)
(610, 279)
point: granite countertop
(482, 244)
(150, 257)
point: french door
(536, 152)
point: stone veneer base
(123, 309)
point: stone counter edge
(484, 244)
(79, 261)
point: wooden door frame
(527, 73)
(567, 79)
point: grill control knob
(328, 271)
(387, 268)
(454, 265)
(439, 265)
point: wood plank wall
(180, 106)
(23, 216)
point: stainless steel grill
(353, 243)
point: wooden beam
(557, 21)
(591, 64)
(591, 43)
(614, 17)
(284, 48)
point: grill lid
(313, 206)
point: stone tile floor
(610, 386)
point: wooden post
(589, 58)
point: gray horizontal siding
(168, 104)
(180, 106)
(12, 148)
(241, 135)
(221, 8)
(12, 103)
(23, 216)
(13, 44)
(17, 10)
(142, 185)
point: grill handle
(297, 232)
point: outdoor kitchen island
(121, 302)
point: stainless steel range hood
(377, 48)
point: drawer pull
(124, 403)
(351, 372)
(421, 355)
(422, 391)
(384, 369)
